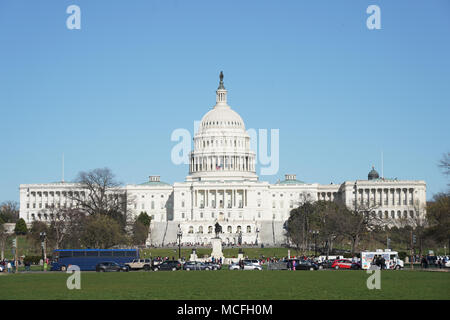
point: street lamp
(179, 236)
(315, 233)
(43, 236)
(257, 233)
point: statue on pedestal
(218, 229)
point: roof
(291, 181)
(154, 183)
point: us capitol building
(222, 186)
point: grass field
(228, 285)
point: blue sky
(110, 94)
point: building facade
(222, 186)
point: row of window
(210, 229)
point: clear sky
(111, 93)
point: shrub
(32, 259)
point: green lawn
(227, 285)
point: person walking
(8, 266)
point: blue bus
(87, 259)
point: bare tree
(97, 192)
(444, 163)
(353, 224)
(9, 211)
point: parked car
(326, 264)
(172, 265)
(342, 264)
(213, 265)
(110, 266)
(247, 266)
(356, 266)
(195, 265)
(138, 264)
(302, 265)
(253, 261)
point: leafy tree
(102, 231)
(438, 213)
(21, 227)
(144, 218)
(140, 233)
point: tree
(144, 218)
(438, 213)
(21, 227)
(140, 233)
(100, 195)
(4, 236)
(102, 231)
(34, 234)
(297, 226)
(353, 224)
(9, 211)
(445, 164)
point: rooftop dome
(221, 116)
(373, 174)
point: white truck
(391, 258)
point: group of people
(379, 261)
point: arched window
(229, 229)
(200, 229)
(210, 229)
(393, 214)
(238, 229)
(191, 229)
(411, 214)
(249, 229)
(399, 214)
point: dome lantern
(373, 174)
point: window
(119, 253)
(78, 254)
(238, 229)
(182, 215)
(130, 253)
(91, 253)
(191, 229)
(200, 229)
(210, 229)
(229, 229)
(212, 214)
(201, 215)
(182, 204)
(105, 254)
(249, 229)
(65, 254)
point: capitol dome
(222, 145)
